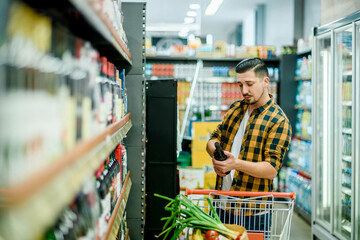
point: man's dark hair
(253, 64)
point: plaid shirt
(267, 138)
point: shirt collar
(265, 106)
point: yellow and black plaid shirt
(267, 138)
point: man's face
(252, 88)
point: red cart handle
(291, 195)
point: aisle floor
(300, 230)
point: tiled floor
(300, 230)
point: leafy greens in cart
(184, 213)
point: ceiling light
(191, 13)
(194, 6)
(213, 7)
(189, 20)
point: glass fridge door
(343, 131)
(322, 123)
(356, 198)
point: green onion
(184, 213)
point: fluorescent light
(194, 6)
(213, 7)
(189, 20)
(191, 13)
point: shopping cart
(265, 215)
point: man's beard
(255, 101)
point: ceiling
(173, 12)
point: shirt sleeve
(277, 143)
(216, 134)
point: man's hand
(221, 167)
(255, 169)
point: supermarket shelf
(212, 108)
(346, 190)
(215, 59)
(303, 172)
(218, 79)
(347, 73)
(302, 78)
(302, 213)
(307, 52)
(47, 193)
(88, 22)
(201, 79)
(347, 228)
(302, 107)
(346, 158)
(115, 220)
(217, 108)
(347, 103)
(347, 130)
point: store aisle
(300, 230)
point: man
(255, 134)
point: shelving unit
(63, 179)
(28, 209)
(292, 109)
(134, 26)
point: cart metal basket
(265, 215)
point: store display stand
(29, 208)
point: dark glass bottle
(219, 153)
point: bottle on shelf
(51, 80)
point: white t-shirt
(235, 150)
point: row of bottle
(230, 92)
(215, 93)
(183, 92)
(209, 92)
(346, 174)
(226, 71)
(347, 117)
(347, 91)
(88, 215)
(59, 85)
(300, 154)
(304, 94)
(303, 127)
(304, 67)
(218, 71)
(346, 208)
(188, 71)
(347, 145)
(112, 9)
(273, 90)
(302, 187)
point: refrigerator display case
(336, 119)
